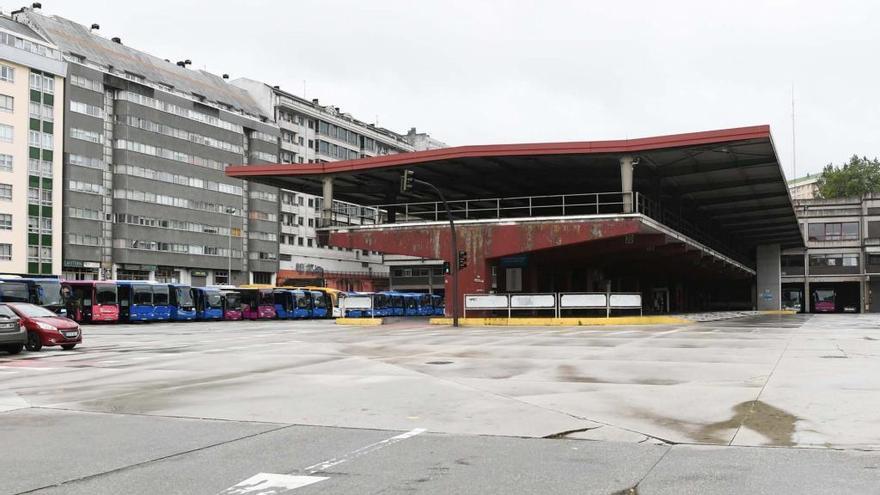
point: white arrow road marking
(270, 484)
(276, 484)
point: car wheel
(68, 347)
(34, 343)
(15, 348)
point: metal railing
(583, 204)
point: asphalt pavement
(752, 405)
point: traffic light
(462, 259)
(446, 268)
(406, 181)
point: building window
(7, 103)
(33, 225)
(5, 192)
(834, 259)
(5, 162)
(92, 137)
(85, 108)
(5, 252)
(5, 221)
(6, 133)
(837, 231)
(7, 73)
(262, 277)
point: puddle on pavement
(774, 423)
(439, 362)
(569, 373)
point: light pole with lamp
(229, 212)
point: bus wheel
(34, 343)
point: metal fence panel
(582, 301)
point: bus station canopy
(731, 178)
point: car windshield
(33, 311)
(6, 312)
(106, 294)
(213, 299)
(50, 292)
(184, 297)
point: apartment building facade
(839, 270)
(315, 133)
(146, 144)
(31, 122)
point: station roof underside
(731, 177)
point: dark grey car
(13, 336)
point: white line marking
(323, 466)
(668, 331)
(269, 484)
(273, 484)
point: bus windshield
(233, 301)
(50, 292)
(14, 291)
(266, 297)
(105, 294)
(825, 296)
(213, 299)
(184, 297)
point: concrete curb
(565, 322)
(359, 322)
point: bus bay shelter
(691, 221)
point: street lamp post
(406, 182)
(229, 213)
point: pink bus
(257, 303)
(90, 301)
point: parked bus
(379, 302)
(135, 300)
(231, 302)
(257, 303)
(42, 291)
(331, 298)
(438, 304)
(161, 302)
(89, 301)
(824, 301)
(426, 306)
(208, 303)
(285, 303)
(394, 305)
(303, 309)
(319, 304)
(181, 302)
(411, 304)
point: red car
(46, 328)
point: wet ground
(777, 403)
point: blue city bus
(285, 303)
(135, 300)
(161, 302)
(303, 304)
(411, 304)
(438, 304)
(426, 308)
(180, 300)
(207, 303)
(43, 291)
(319, 304)
(394, 303)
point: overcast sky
(479, 72)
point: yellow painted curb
(360, 322)
(565, 322)
(779, 312)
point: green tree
(858, 177)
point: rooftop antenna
(793, 143)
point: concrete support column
(808, 299)
(769, 277)
(626, 182)
(327, 209)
